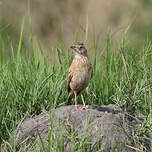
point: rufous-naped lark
(80, 73)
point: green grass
(30, 82)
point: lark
(79, 74)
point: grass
(30, 82)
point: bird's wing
(70, 75)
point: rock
(104, 127)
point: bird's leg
(84, 105)
(83, 100)
(75, 94)
(70, 98)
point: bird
(80, 74)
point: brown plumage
(80, 73)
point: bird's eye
(81, 47)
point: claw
(84, 107)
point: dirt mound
(104, 127)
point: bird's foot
(76, 109)
(84, 107)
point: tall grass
(29, 83)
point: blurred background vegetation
(29, 83)
(55, 21)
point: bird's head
(79, 49)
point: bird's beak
(73, 47)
